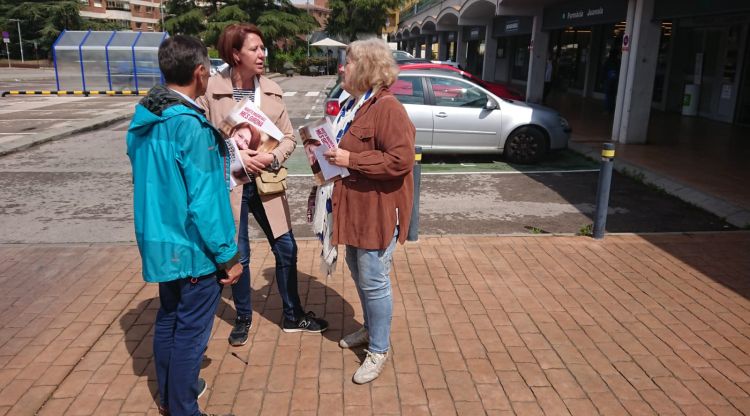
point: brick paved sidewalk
(482, 325)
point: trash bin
(690, 100)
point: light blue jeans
(371, 273)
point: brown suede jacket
(381, 141)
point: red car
(498, 89)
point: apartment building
(317, 8)
(138, 15)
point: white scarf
(323, 213)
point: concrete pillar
(428, 47)
(637, 72)
(442, 46)
(537, 61)
(490, 52)
(460, 48)
(418, 47)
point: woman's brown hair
(232, 38)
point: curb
(730, 212)
(26, 142)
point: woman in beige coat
(241, 46)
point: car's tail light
(332, 108)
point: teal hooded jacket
(183, 219)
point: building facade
(682, 56)
(317, 8)
(138, 15)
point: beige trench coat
(218, 102)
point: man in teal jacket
(183, 219)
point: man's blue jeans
(371, 273)
(284, 250)
(181, 333)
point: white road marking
(307, 117)
(290, 93)
(13, 134)
(312, 94)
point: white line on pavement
(307, 117)
(312, 94)
(290, 93)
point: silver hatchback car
(454, 115)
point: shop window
(608, 54)
(520, 57)
(662, 61)
(572, 52)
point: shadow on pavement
(315, 296)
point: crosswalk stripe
(290, 93)
(312, 94)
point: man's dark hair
(179, 55)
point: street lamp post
(20, 41)
(309, 35)
(161, 14)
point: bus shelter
(107, 60)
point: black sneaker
(306, 323)
(202, 387)
(238, 336)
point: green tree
(349, 17)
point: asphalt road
(78, 190)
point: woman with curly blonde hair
(372, 206)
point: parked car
(403, 57)
(455, 115)
(500, 90)
(217, 65)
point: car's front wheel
(526, 145)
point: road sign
(6, 37)
(625, 43)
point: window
(408, 90)
(454, 93)
(118, 5)
(84, 2)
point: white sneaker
(355, 339)
(370, 368)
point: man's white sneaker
(370, 368)
(355, 339)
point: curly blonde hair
(374, 66)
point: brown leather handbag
(269, 183)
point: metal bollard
(602, 191)
(413, 234)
